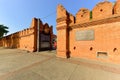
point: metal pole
(38, 37)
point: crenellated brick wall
(95, 38)
(27, 38)
(83, 15)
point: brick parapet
(102, 10)
(26, 39)
(103, 29)
(97, 22)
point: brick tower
(62, 32)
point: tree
(3, 30)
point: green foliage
(90, 15)
(3, 30)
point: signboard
(84, 35)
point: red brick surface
(27, 38)
(107, 37)
(102, 10)
(106, 26)
(117, 7)
(83, 15)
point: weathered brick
(102, 10)
(117, 7)
(83, 15)
(27, 38)
(106, 27)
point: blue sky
(17, 14)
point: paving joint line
(6, 75)
(93, 66)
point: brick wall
(117, 7)
(102, 10)
(27, 38)
(83, 15)
(97, 38)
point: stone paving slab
(13, 60)
(86, 73)
(21, 65)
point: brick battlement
(27, 39)
(111, 19)
(102, 10)
(90, 34)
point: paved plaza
(22, 65)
